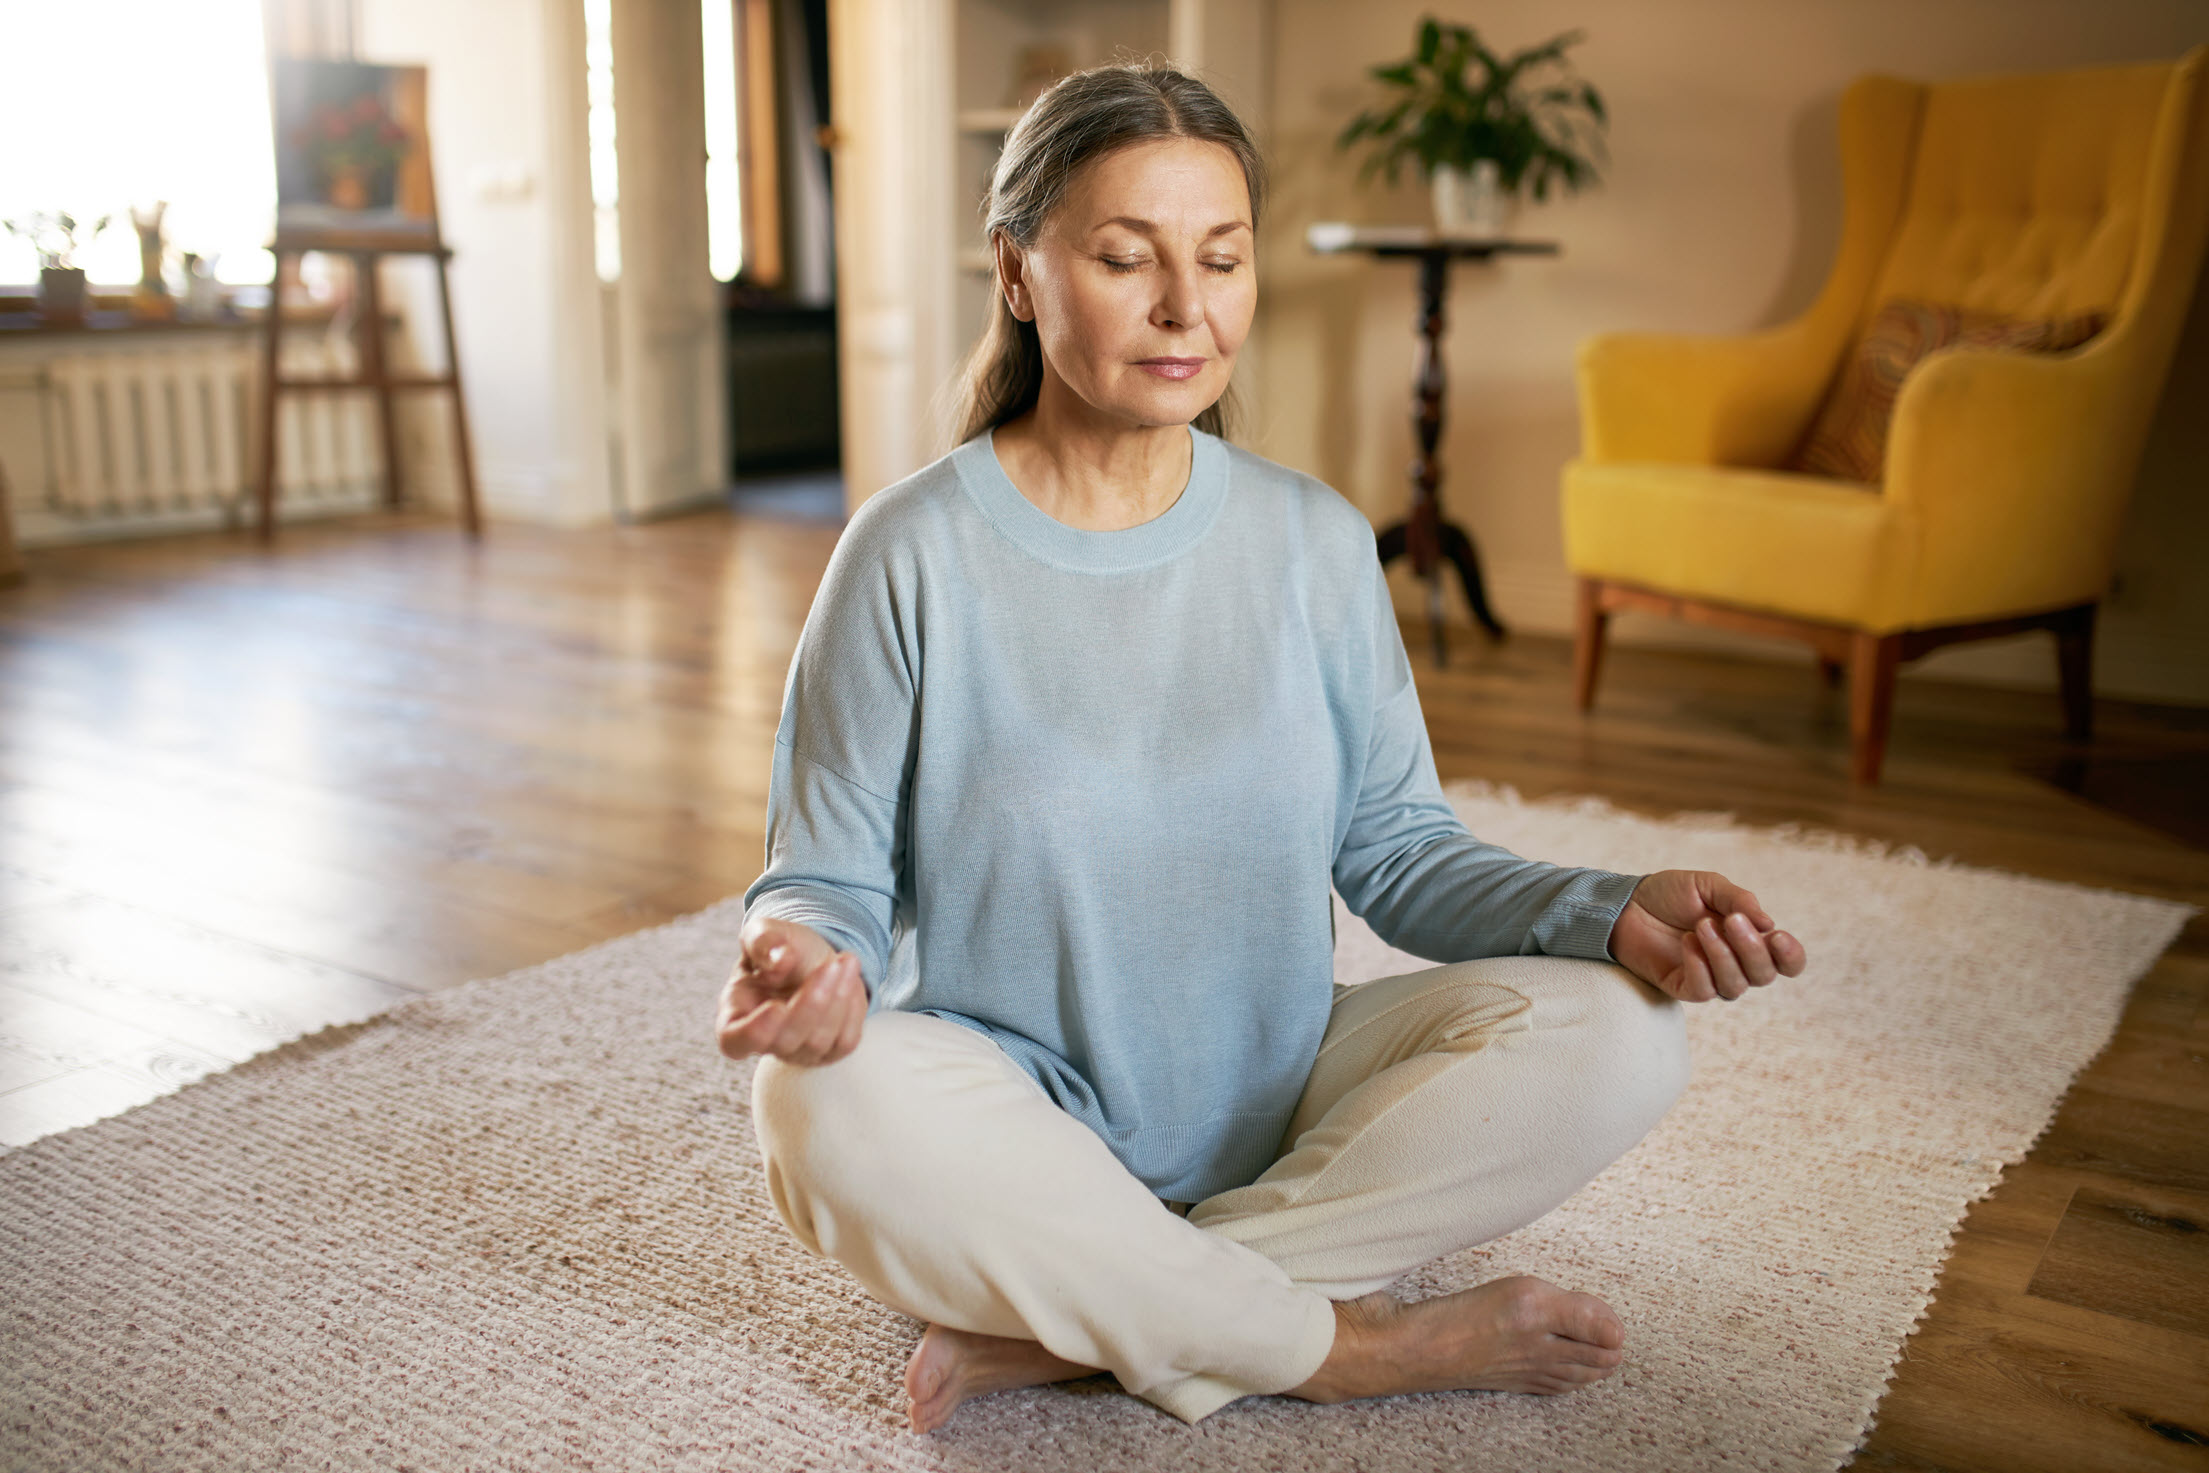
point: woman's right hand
(792, 996)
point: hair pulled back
(1079, 120)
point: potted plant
(57, 238)
(1482, 127)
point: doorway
(717, 284)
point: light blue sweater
(1085, 792)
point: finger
(840, 1037)
(772, 959)
(850, 1017)
(1726, 898)
(842, 989)
(745, 990)
(833, 988)
(737, 999)
(1725, 972)
(855, 1022)
(1788, 953)
(755, 1032)
(736, 1009)
(1695, 984)
(782, 952)
(809, 1005)
(1750, 950)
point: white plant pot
(1472, 203)
(1448, 185)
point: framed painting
(352, 151)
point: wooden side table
(1428, 537)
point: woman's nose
(1180, 299)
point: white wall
(507, 138)
(890, 83)
(1720, 213)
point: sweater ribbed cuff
(1579, 921)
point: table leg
(1428, 389)
(1457, 546)
(1457, 550)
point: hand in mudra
(1698, 935)
(792, 996)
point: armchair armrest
(1701, 399)
(2016, 467)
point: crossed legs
(1446, 1107)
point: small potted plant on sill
(1482, 127)
(57, 237)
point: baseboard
(39, 526)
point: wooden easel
(367, 252)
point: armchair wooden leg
(1873, 660)
(2075, 671)
(1588, 627)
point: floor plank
(2139, 1253)
(245, 792)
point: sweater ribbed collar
(1169, 533)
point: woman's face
(1143, 282)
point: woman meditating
(1085, 721)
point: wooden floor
(243, 794)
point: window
(724, 183)
(724, 178)
(111, 103)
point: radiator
(158, 430)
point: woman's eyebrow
(1150, 227)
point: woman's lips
(1172, 367)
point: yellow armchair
(2006, 473)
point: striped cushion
(1848, 440)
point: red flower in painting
(348, 142)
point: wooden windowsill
(19, 318)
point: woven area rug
(521, 1224)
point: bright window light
(724, 191)
(598, 85)
(111, 103)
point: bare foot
(1516, 1334)
(948, 1366)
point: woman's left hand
(1698, 935)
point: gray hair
(1079, 120)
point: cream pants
(1446, 1107)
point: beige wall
(513, 193)
(1719, 213)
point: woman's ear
(1012, 276)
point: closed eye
(1224, 268)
